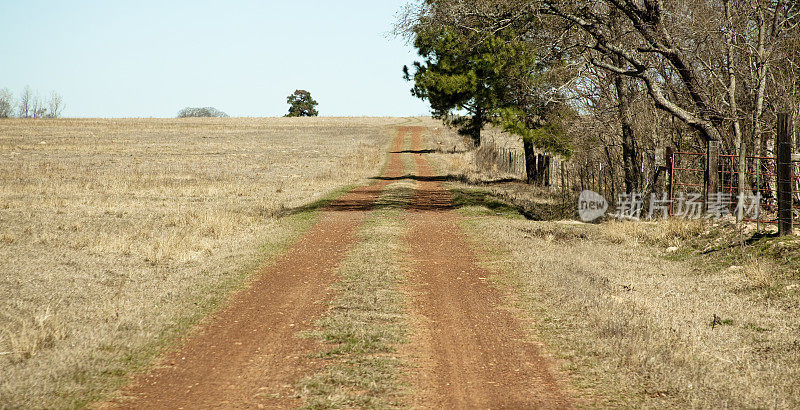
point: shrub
(201, 112)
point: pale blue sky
(151, 58)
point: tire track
(472, 353)
(247, 354)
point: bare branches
(30, 105)
(653, 38)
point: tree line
(30, 104)
(611, 81)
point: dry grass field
(638, 328)
(660, 315)
(116, 235)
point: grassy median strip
(365, 321)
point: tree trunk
(540, 164)
(763, 51)
(612, 172)
(737, 128)
(631, 170)
(477, 125)
(530, 162)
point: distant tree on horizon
(6, 103)
(301, 104)
(55, 105)
(26, 103)
(201, 112)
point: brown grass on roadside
(637, 328)
(457, 154)
(117, 234)
(465, 174)
(665, 314)
(660, 314)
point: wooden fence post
(563, 184)
(784, 172)
(540, 170)
(546, 170)
(712, 168)
(669, 158)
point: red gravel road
(470, 351)
(248, 354)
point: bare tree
(6, 103)
(38, 109)
(731, 44)
(55, 105)
(25, 101)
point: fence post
(546, 172)
(669, 160)
(712, 171)
(563, 184)
(784, 172)
(540, 172)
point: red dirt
(248, 354)
(471, 352)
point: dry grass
(646, 314)
(117, 234)
(638, 328)
(466, 173)
(456, 154)
(644, 317)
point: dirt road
(474, 353)
(471, 353)
(249, 355)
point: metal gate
(687, 172)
